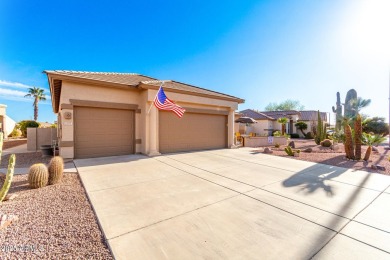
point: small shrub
(277, 145)
(16, 133)
(309, 135)
(277, 133)
(294, 135)
(326, 143)
(27, 123)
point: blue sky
(262, 51)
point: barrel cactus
(56, 170)
(38, 176)
(326, 143)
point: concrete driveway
(236, 203)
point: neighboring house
(7, 125)
(105, 114)
(267, 120)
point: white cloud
(13, 84)
(10, 92)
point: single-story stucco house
(108, 114)
(267, 120)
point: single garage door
(103, 132)
(191, 132)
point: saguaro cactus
(10, 172)
(349, 110)
(321, 130)
(338, 110)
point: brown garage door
(191, 132)
(103, 132)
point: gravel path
(55, 222)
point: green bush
(294, 135)
(16, 133)
(27, 123)
(277, 133)
(376, 125)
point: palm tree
(301, 126)
(283, 121)
(38, 95)
(371, 140)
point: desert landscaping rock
(291, 144)
(325, 155)
(55, 222)
(380, 167)
(268, 150)
(6, 220)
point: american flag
(163, 103)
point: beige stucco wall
(146, 123)
(260, 126)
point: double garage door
(194, 131)
(108, 132)
(103, 132)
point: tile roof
(256, 115)
(130, 79)
(175, 85)
(274, 115)
(278, 114)
(133, 79)
(312, 115)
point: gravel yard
(55, 222)
(25, 160)
(327, 156)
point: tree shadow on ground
(314, 177)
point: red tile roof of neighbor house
(139, 81)
(274, 115)
(312, 115)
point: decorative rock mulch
(55, 222)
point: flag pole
(155, 97)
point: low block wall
(264, 141)
(40, 136)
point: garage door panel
(191, 132)
(103, 132)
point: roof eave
(143, 85)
